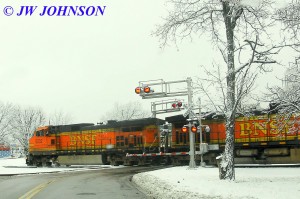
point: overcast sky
(83, 65)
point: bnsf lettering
(253, 128)
(82, 140)
(260, 128)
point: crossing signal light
(177, 105)
(138, 90)
(141, 90)
(147, 89)
(194, 129)
(184, 129)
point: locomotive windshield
(39, 133)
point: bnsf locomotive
(258, 139)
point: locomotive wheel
(167, 161)
(128, 163)
(142, 162)
(56, 164)
(113, 161)
(175, 161)
(156, 161)
(49, 164)
(104, 159)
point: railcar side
(262, 139)
(258, 139)
(93, 144)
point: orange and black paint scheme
(112, 140)
(268, 138)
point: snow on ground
(13, 166)
(181, 182)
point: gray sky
(83, 65)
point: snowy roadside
(17, 166)
(179, 182)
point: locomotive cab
(41, 141)
(40, 144)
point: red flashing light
(138, 90)
(194, 129)
(147, 89)
(179, 104)
(184, 129)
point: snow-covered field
(179, 182)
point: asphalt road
(99, 183)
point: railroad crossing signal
(185, 129)
(194, 129)
(166, 106)
(165, 129)
(163, 89)
(138, 90)
(189, 110)
(142, 90)
(177, 105)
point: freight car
(258, 139)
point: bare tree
(59, 118)
(25, 122)
(286, 99)
(290, 16)
(239, 30)
(130, 110)
(6, 117)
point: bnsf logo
(82, 139)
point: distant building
(4, 151)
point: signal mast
(146, 91)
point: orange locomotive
(258, 139)
(265, 139)
(89, 144)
